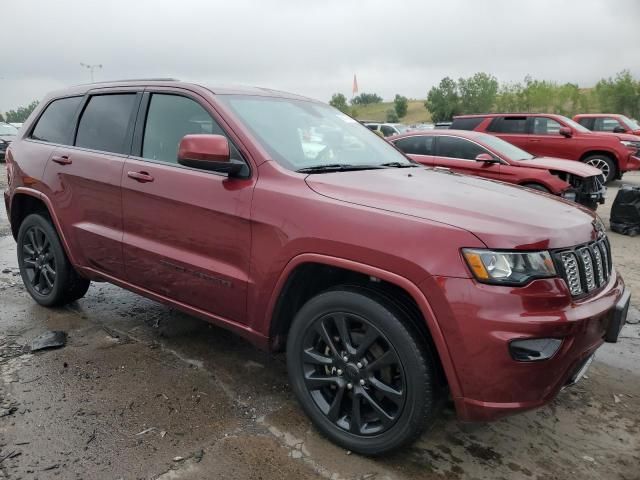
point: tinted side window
(466, 123)
(454, 147)
(586, 122)
(417, 145)
(55, 124)
(169, 118)
(372, 127)
(105, 121)
(606, 124)
(387, 131)
(508, 125)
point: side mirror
(565, 132)
(207, 152)
(486, 158)
(619, 129)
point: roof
(171, 82)
(517, 114)
(597, 115)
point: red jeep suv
(292, 224)
(557, 136)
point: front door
(186, 231)
(459, 154)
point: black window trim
(528, 126)
(29, 135)
(501, 160)
(102, 92)
(141, 121)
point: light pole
(91, 68)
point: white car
(387, 129)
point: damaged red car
(486, 156)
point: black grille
(585, 268)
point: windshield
(301, 134)
(6, 129)
(504, 149)
(632, 124)
(574, 125)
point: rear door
(186, 231)
(459, 155)
(418, 147)
(85, 179)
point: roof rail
(158, 79)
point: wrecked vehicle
(486, 156)
(388, 284)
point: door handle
(61, 159)
(142, 177)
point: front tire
(360, 372)
(605, 164)
(46, 271)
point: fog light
(534, 349)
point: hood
(499, 214)
(621, 136)
(569, 166)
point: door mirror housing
(565, 132)
(486, 158)
(619, 129)
(207, 152)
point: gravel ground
(143, 391)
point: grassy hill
(377, 112)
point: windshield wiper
(336, 167)
(399, 165)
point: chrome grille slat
(586, 268)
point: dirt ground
(143, 391)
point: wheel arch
(309, 274)
(25, 201)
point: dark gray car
(7, 134)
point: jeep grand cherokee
(389, 284)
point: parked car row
(7, 133)
(389, 285)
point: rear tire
(605, 164)
(385, 392)
(46, 271)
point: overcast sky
(313, 47)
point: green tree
(401, 105)
(620, 94)
(20, 115)
(366, 99)
(339, 101)
(392, 116)
(1, 118)
(477, 93)
(443, 101)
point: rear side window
(55, 124)
(387, 130)
(466, 123)
(105, 121)
(169, 118)
(455, 147)
(416, 145)
(586, 122)
(508, 125)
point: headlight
(630, 144)
(509, 268)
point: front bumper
(482, 320)
(633, 163)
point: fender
(56, 223)
(393, 278)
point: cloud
(313, 48)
